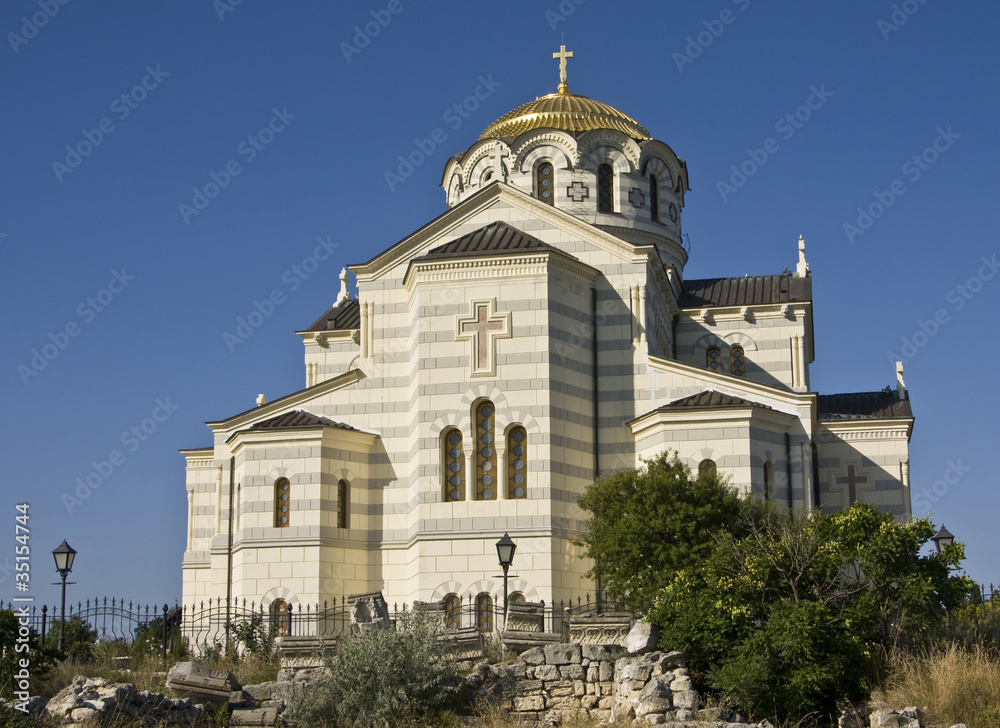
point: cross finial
(563, 57)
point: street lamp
(505, 552)
(943, 539)
(64, 554)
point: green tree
(787, 618)
(41, 660)
(647, 525)
(384, 678)
(80, 639)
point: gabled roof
(709, 400)
(343, 317)
(882, 405)
(298, 420)
(747, 291)
(497, 238)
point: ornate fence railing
(208, 624)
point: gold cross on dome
(563, 57)
(483, 327)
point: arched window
(707, 468)
(279, 618)
(713, 359)
(486, 454)
(517, 463)
(654, 199)
(282, 502)
(343, 502)
(517, 598)
(452, 612)
(546, 183)
(605, 187)
(768, 479)
(737, 361)
(453, 458)
(484, 613)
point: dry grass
(492, 716)
(951, 684)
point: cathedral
(538, 334)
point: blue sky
(134, 295)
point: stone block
(529, 702)
(606, 671)
(680, 684)
(687, 699)
(547, 672)
(200, 684)
(593, 673)
(656, 719)
(642, 638)
(260, 716)
(563, 654)
(560, 689)
(571, 672)
(607, 702)
(635, 671)
(534, 656)
(602, 653)
(589, 702)
(579, 688)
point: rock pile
(100, 701)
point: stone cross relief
(578, 191)
(498, 154)
(483, 327)
(852, 481)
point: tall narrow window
(517, 463)
(282, 502)
(605, 186)
(713, 359)
(452, 612)
(484, 613)
(654, 199)
(737, 361)
(279, 618)
(546, 183)
(453, 457)
(707, 468)
(343, 502)
(768, 480)
(486, 454)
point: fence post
(45, 610)
(164, 635)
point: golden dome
(566, 111)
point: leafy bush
(384, 678)
(41, 660)
(79, 636)
(790, 618)
(649, 524)
(255, 637)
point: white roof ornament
(344, 294)
(802, 269)
(261, 400)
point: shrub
(384, 678)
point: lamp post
(64, 554)
(943, 539)
(505, 552)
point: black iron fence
(211, 623)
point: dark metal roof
(747, 291)
(298, 420)
(707, 399)
(346, 316)
(496, 238)
(882, 405)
